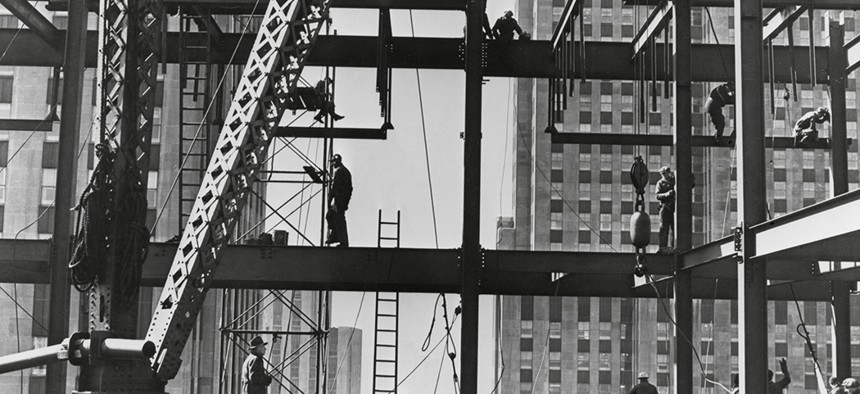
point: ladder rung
(385, 330)
(386, 361)
(385, 376)
(384, 345)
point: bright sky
(392, 175)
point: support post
(683, 146)
(840, 290)
(67, 170)
(471, 263)
(752, 283)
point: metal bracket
(738, 233)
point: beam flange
(567, 17)
(235, 7)
(821, 230)
(780, 19)
(818, 4)
(338, 133)
(852, 50)
(655, 23)
(666, 140)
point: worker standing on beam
(666, 195)
(778, 387)
(340, 192)
(720, 97)
(505, 27)
(326, 102)
(255, 379)
(804, 130)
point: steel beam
(852, 50)
(818, 4)
(34, 20)
(26, 124)
(67, 170)
(683, 229)
(567, 17)
(666, 140)
(248, 6)
(656, 22)
(833, 237)
(780, 19)
(337, 133)
(526, 59)
(840, 291)
(752, 279)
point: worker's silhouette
(340, 192)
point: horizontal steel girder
(818, 4)
(667, 140)
(26, 124)
(406, 270)
(828, 230)
(524, 59)
(338, 133)
(236, 7)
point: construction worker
(850, 386)
(720, 97)
(255, 379)
(778, 387)
(665, 192)
(340, 192)
(643, 387)
(326, 103)
(805, 131)
(504, 28)
(836, 386)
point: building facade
(28, 168)
(579, 198)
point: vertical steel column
(67, 170)
(840, 290)
(471, 262)
(683, 196)
(752, 290)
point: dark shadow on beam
(26, 124)
(338, 133)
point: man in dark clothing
(720, 97)
(255, 379)
(666, 195)
(805, 131)
(327, 105)
(643, 387)
(505, 27)
(340, 192)
(778, 387)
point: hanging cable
(348, 341)
(423, 359)
(426, 149)
(809, 345)
(717, 40)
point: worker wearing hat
(805, 131)
(340, 192)
(504, 28)
(666, 195)
(850, 386)
(643, 387)
(255, 379)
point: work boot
(319, 118)
(337, 117)
(718, 139)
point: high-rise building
(579, 198)
(28, 168)
(344, 361)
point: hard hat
(335, 158)
(850, 383)
(665, 169)
(509, 13)
(823, 110)
(257, 341)
(643, 375)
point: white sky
(392, 175)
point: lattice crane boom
(284, 40)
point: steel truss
(276, 60)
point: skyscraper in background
(579, 198)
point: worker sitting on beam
(805, 132)
(326, 103)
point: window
(8, 22)
(808, 190)
(6, 89)
(557, 160)
(606, 102)
(779, 190)
(584, 221)
(808, 159)
(555, 221)
(605, 222)
(151, 190)
(49, 185)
